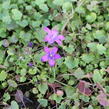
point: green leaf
(10, 51)
(69, 91)
(58, 2)
(43, 7)
(23, 23)
(101, 49)
(67, 6)
(6, 97)
(39, 2)
(80, 10)
(69, 49)
(100, 35)
(14, 105)
(32, 71)
(6, 4)
(22, 79)
(43, 88)
(107, 26)
(17, 15)
(43, 102)
(90, 107)
(6, 19)
(3, 75)
(71, 63)
(36, 23)
(87, 58)
(1, 56)
(56, 98)
(91, 17)
(62, 106)
(92, 46)
(97, 77)
(37, 57)
(84, 98)
(39, 34)
(79, 73)
(12, 83)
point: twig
(61, 83)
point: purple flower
(30, 64)
(30, 44)
(50, 56)
(53, 36)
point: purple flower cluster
(51, 53)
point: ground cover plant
(54, 54)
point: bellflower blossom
(30, 64)
(50, 56)
(53, 36)
(30, 44)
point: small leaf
(6, 4)
(101, 49)
(14, 105)
(58, 2)
(69, 49)
(83, 88)
(17, 15)
(71, 63)
(6, 97)
(92, 46)
(39, 2)
(43, 7)
(69, 91)
(62, 106)
(3, 75)
(12, 83)
(23, 23)
(87, 58)
(43, 88)
(100, 35)
(32, 71)
(43, 102)
(6, 18)
(97, 77)
(107, 26)
(56, 98)
(102, 99)
(19, 96)
(79, 73)
(91, 17)
(5, 43)
(80, 10)
(67, 6)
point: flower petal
(51, 62)
(55, 32)
(44, 58)
(54, 50)
(59, 42)
(46, 49)
(50, 41)
(46, 29)
(61, 37)
(57, 56)
(47, 38)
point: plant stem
(61, 83)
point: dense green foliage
(85, 54)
